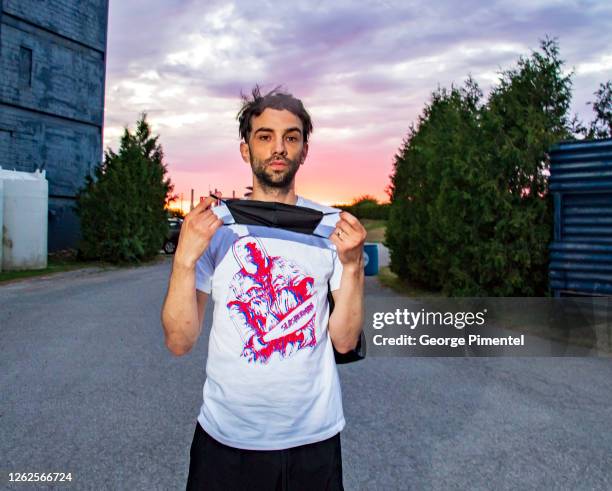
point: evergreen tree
(122, 208)
(470, 209)
(601, 126)
(435, 192)
(526, 114)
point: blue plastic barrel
(370, 258)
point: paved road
(88, 387)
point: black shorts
(215, 466)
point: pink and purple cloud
(363, 69)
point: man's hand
(346, 320)
(197, 230)
(183, 308)
(349, 237)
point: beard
(279, 178)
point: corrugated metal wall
(581, 183)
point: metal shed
(581, 183)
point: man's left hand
(349, 237)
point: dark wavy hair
(254, 105)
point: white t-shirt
(271, 379)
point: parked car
(174, 225)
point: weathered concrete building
(52, 73)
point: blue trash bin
(370, 258)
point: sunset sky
(363, 69)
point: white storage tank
(24, 207)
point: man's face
(275, 148)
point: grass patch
(56, 263)
(63, 261)
(375, 228)
(404, 287)
(370, 224)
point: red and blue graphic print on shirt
(271, 302)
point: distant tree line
(367, 207)
(470, 211)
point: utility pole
(191, 206)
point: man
(272, 410)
